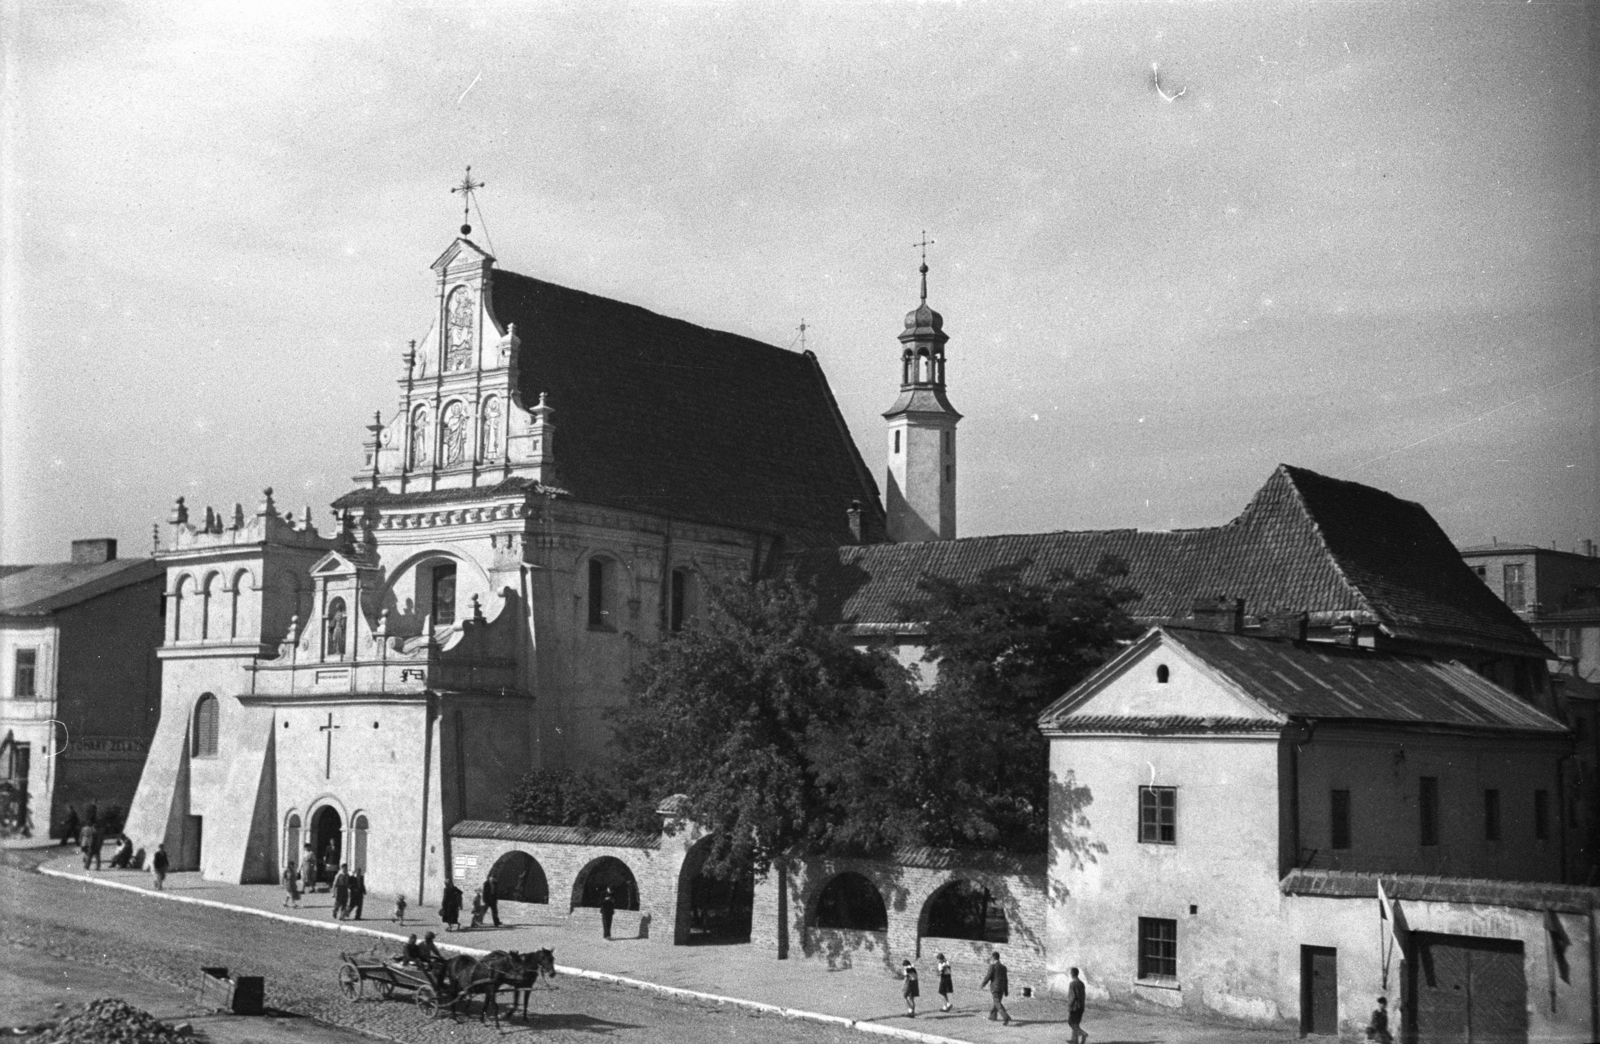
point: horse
(500, 968)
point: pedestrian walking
(947, 986)
(358, 893)
(400, 909)
(308, 871)
(1076, 1002)
(341, 892)
(478, 908)
(998, 988)
(291, 884)
(909, 991)
(86, 844)
(608, 909)
(158, 867)
(71, 826)
(450, 906)
(491, 899)
(1378, 1026)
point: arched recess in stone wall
(715, 909)
(518, 878)
(589, 887)
(850, 901)
(964, 909)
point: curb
(860, 1026)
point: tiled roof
(1162, 725)
(1522, 895)
(656, 414)
(1578, 614)
(1305, 542)
(41, 589)
(553, 835)
(1026, 863)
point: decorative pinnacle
(466, 188)
(926, 242)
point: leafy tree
(1004, 648)
(562, 797)
(777, 729)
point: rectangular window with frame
(1428, 808)
(1491, 815)
(1541, 815)
(1339, 815)
(1516, 594)
(1158, 815)
(1158, 949)
(25, 675)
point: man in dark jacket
(158, 867)
(358, 893)
(450, 906)
(491, 900)
(998, 988)
(608, 907)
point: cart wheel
(427, 1001)
(349, 981)
(385, 989)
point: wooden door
(1319, 990)
(1468, 990)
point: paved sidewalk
(866, 997)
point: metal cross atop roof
(466, 188)
(924, 245)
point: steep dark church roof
(657, 414)
(1305, 542)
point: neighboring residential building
(81, 684)
(1224, 808)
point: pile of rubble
(108, 1021)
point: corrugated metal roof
(42, 589)
(1362, 684)
(1305, 542)
(1161, 725)
(1522, 895)
(553, 835)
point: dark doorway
(327, 841)
(1468, 990)
(518, 878)
(850, 901)
(189, 850)
(608, 873)
(1319, 990)
(966, 910)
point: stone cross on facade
(327, 769)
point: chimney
(855, 520)
(1588, 547)
(93, 552)
(1218, 614)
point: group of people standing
(485, 902)
(349, 889)
(997, 981)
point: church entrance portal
(327, 841)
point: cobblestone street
(168, 942)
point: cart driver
(428, 954)
(412, 954)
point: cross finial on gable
(467, 187)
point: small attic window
(1162, 674)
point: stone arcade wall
(785, 904)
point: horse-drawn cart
(429, 988)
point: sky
(1360, 240)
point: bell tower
(921, 490)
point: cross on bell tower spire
(924, 244)
(467, 187)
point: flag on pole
(1394, 920)
(1558, 944)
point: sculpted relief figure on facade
(419, 437)
(491, 429)
(453, 438)
(458, 331)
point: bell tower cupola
(922, 431)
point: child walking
(400, 909)
(946, 986)
(291, 884)
(909, 991)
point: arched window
(442, 594)
(489, 434)
(851, 902)
(518, 878)
(179, 594)
(358, 845)
(291, 839)
(205, 727)
(233, 609)
(1162, 674)
(602, 596)
(966, 910)
(211, 606)
(681, 605)
(419, 437)
(334, 630)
